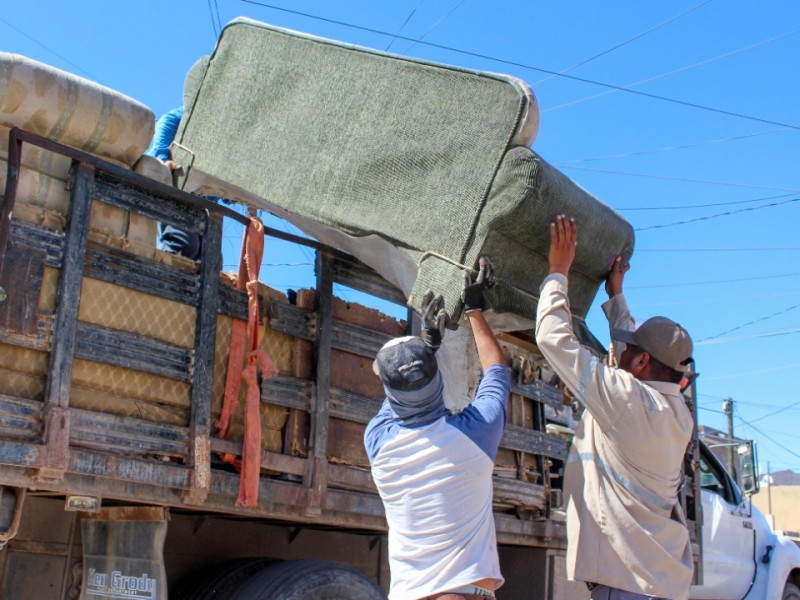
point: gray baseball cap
(405, 363)
(664, 339)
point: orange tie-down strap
(241, 333)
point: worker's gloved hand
(433, 320)
(476, 283)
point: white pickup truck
(742, 557)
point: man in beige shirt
(627, 537)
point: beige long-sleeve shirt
(624, 525)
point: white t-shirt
(435, 481)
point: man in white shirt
(626, 533)
(433, 469)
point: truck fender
(784, 559)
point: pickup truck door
(728, 536)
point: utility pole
(727, 407)
(769, 489)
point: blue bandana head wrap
(414, 407)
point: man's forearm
(489, 351)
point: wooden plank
(292, 320)
(352, 406)
(364, 316)
(316, 479)
(183, 215)
(20, 418)
(270, 461)
(354, 373)
(351, 478)
(350, 271)
(10, 195)
(65, 325)
(133, 351)
(346, 443)
(541, 392)
(297, 424)
(127, 434)
(199, 458)
(143, 274)
(21, 276)
(299, 322)
(519, 494)
(290, 392)
(533, 442)
(69, 290)
(50, 240)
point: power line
(684, 284)
(676, 147)
(435, 25)
(216, 11)
(766, 437)
(524, 66)
(675, 71)
(213, 21)
(408, 18)
(711, 205)
(625, 43)
(38, 43)
(775, 413)
(716, 216)
(670, 250)
(755, 336)
(753, 322)
(673, 178)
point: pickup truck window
(714, 478)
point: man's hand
(616, 276)
(433, 320)
(563, 239)
(475, 285)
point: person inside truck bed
(433, 469)
(626, 533)
(171, 238)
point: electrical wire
(777, 412)
(434, 26)
(408, 18)
(677, 147)
(671, 250)
(529, 67)
(754, 336)
(219, 21)
(213, 21)
(739, 280)
(625, 43)
(716, 216)
(673, 178)
(766, 437)
(712, 205)
(673, 72)
(38, 43)
(753, 322)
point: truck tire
(791, 592)
(309, 580)
(218, 582)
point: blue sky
(683, 116)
